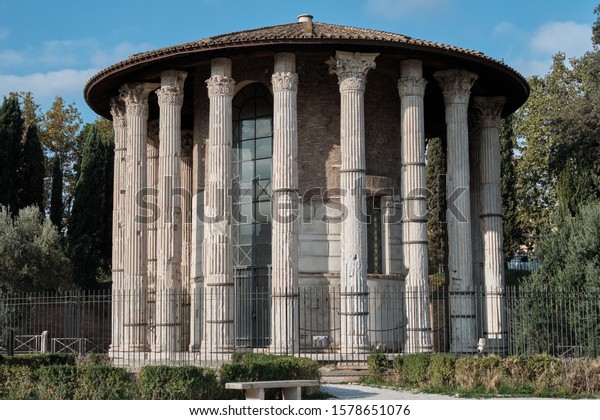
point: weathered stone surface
(411, 87)
(351, 69)
(456, 86)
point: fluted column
(476, 244)
(285, 224)
(411, 87)
(186, 232)
(169, 239)
(351, 69)
(456, 87)
(197, 234)
(488, 109)
(151, 199)
(135, 264)
(218, 245)
(117, 109)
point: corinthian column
(117, 109)
(284, 280)
(456, 86)
(197, 230)
(187, 141)
(488, 110)
(412, 90)
(168, 287)
(151, 199)
(135, 264)
(351, 69)
(218, 245)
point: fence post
(10, 345)
(45, 342)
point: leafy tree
(59, 135)
(91, 219)
(11, 130)
(567, 283)
(30, 109)
(56, 195)
(435, 175)
(508, 143)
(31, 258)
(575, 155)
(31, 176)
(536, 184)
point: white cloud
(395, 9)
(572, 38)
(56, 55)
(505, 28)
(531, 53)
(11, 58)
(45, 87)
(65, 53)
(104, 58)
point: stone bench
(292, 390)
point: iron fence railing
(248, 317)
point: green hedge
(36, 377)
(36, 360)
(538, 375)
(57, 382)
(99, 382)
(264, 367)
(178, 383)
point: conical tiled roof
(297, 33)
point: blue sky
(52, 48)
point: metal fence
(535, 320)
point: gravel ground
(361, 392)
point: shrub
(57, 382)
(17, 383)
(35, 361)
(263, 367)
(398, 367)
(97, 382)
(415, 367)
(441, 370)
(538, 372)
(474, 373)
(378, 364)
(178, 383)
(581, 376)
(93, 359)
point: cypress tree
(89, 226)
(56, 199)
(435, 173)
(11, 132)
(31, 190)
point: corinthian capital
(456, 85)
(411, 86)
(220, 86)
(169, 95)
(488, 110)
(117, 110)
(351, 68)
(135, 96)
(284, 81)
